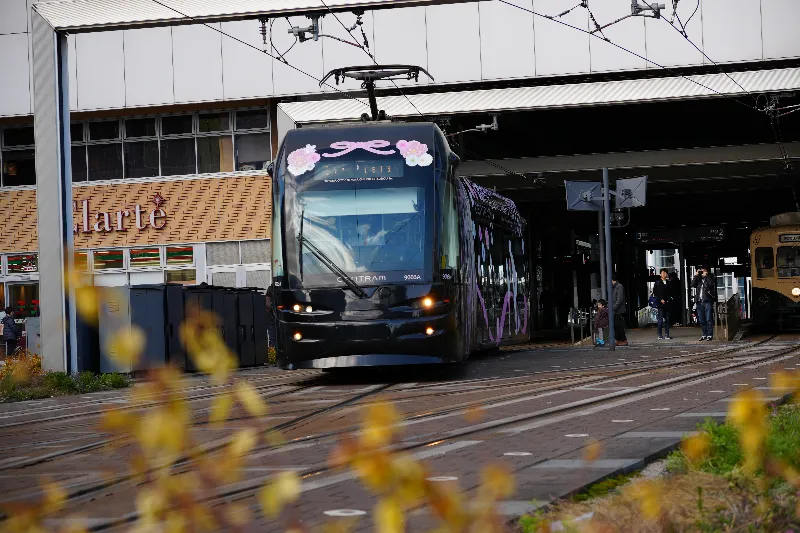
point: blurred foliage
(179, 479)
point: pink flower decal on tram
(415, 153)
(303, 159)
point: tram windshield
(788, 261)
(360, 208)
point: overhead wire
(686, 36)
(420, 113)
(301, 71)
(536, 13)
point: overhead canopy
(94, 15)
(550, 96)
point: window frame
(85, 140)
(774, 263)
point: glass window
(255, 252)
(186, 277)
(765, 263)
(141, 159)
(247, 120)
(222, 253)
(81, 261)
(214, 122)
(106, 259)
(253, 152)
(449, 224)
(22, 264)
(180, 255)
(176, 125)
(76, 132)
(18, 136)
(24, 298)
(177, 157)
(78, 159)
(145, 257)
(140, 127)
(108, 129)
(105, 161)
(788, 261)
(214, 154)
(19, 168)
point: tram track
(558, 381)
(543, 416)
(576, 381)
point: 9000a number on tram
(776, 273)
(383, 256)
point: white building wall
(457, 43)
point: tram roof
(548, 96)
(77, 16)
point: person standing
(663, 291)
(705, 293)
(11, 332)
(601, 322)
(619, 307)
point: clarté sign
(107, 221)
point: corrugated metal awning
(551, 96)
(95, 15)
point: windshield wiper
(325, 260)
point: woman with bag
(662, 293)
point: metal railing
(646, 316)
(581, 320)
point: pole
(609, 263)
(602, 251)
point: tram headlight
(297, 336)
(796, 291)
(296, 308)
(309, 309)
(427, 302)
(429, 331)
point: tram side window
(765, 263)
(788, 260)
(449, 223)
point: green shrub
(87, 382)
(783, 439)
(114, 381)
(59, 381)
(725, 453)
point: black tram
(383, 256)
(776, 273)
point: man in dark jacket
(619, 307)
(705, 294)
(663, 291)
(11, 332)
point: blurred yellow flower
(275, 495)
(498, 481)
(250, 399)
(592, 451)
(220, 409)
(389, 516)
(696, 447)
(243, 442)
(649, 495)
(126, 345)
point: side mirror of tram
(271, 169)
(454, 160)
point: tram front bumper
(366, 343)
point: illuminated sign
(789, 238)
(107, 221)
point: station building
(173, 128)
